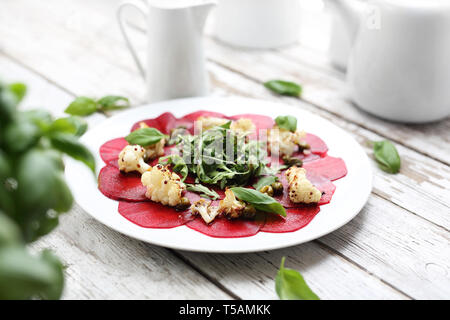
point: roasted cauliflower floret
(131, 158)
(301, 190)
(285, 141)
(233, 208)
(243, 126)
(210, 122)
(156, 150)
(204, 208)
(163, 186)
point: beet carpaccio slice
(224, 228)
(121, 186)
(318, 146)
(329, 167)
(153, 215)
(109, 151)
(295, 219)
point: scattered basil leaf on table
(145, 137)
(113, 103)
(387, 156)
(179, 165)
(285, 88)
(265, 181)
(290, 285)
(203, 191)
(260, 201)
(73, 125)
(85, 106)
(287, 122)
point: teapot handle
(144, 11)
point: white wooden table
(398, 247)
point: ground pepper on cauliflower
(131, 158)
(163, 186)
(285, 141)
(204, 208)
(301, 190)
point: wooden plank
(103, 264)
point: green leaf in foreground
(82, 106)
(70, 145)
(387, 156)
(285, 88)
(290, 285)
(287, 122)
(145, 137)
(73, 125)
(19, 90)
(265, 181)
(260, 201)
(203, 191)
(179, 165)
(109, 103)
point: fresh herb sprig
(284, 88)
(290, 285)
(287, 122)
(145, 137)
(265, 181)
(204, 192)
(260, 201)
(85, 106)
(387, 156)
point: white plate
(351, 193)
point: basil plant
(33, 193)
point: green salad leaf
(290, 285)
(285, 88)
(203, 191)
(145, 137)
(287, 122)
(260, 201)
(265, 181)
(387, 156)
(179, 166)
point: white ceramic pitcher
(175, 59)
(399, 62)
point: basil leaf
(203, 191)
(25, 276)
(145, 137)
(265, 181)
(70, 145)
(21, 135)
(73, 125)
(285, 88)
(8, 103)
(9, 232)
(18, 90)
(387, 156)
(113, 103)
(260, 201)
(82, 106)
(287, 122)
(290, 285)
(179, 165)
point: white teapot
(399, 61)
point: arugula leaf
(203, 191)
(19, 90)
(285, 88)
(145, 137)
(70, 145)
(287, 122)
(387, 156)
(260, 201)
(113, 103)
(179, 165)
(290, 285)
(82, 106)
(265, 181)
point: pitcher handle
(144, 11)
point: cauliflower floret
(156, 150)
(210, 122)
(205, 210)
(233, 208)
(301, 190)
(284, 140)
(243, 125)
(131, 158)
(163, 186)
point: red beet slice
(109, 151)
(223, 228)
(195, 115)
(304, 157)
(153, 215)
(295, 219)
(329, 167)
(318, 146)
(323, 184)
(121, 186)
